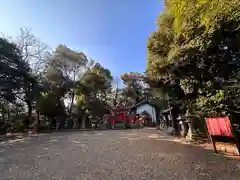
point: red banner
(219, 126)
(113, 121)
(123, 116)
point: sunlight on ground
(131, 134)
(77, 142)
(132, 138)
(161, 154)
(53, 140)
(98, 134)
(154, 136)
(18, 140)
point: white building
(146, 107)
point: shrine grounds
(112, 154)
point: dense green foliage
(53, 89)
(192, 64)
(194, 55)
(133, 91)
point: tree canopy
(62, 84)
(192, 64)
(14, 71)
(196, 49)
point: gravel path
(121, 155)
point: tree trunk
(62, 123)
(3, 116)
(175, 121)
(158, 124)
(89, 123)
(38, 122)
(79, 122)
(81, 117)
(83, 123)
(157, 110)
(50, 124)
(29, 114)
(71, 105)
(17, 112)
(8, 115)
(53, 123)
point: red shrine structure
(120, 117)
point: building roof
(141, 103)
(119, 109)
(166, 111)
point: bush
(21, 127)
(69, 123)
(43, 127)
(4, 127)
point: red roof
(119, 109)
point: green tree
(13, 70)
(15, 74)
(71, 65)
(195, 51)
(134, 87)
(92, 92)
(33, 52)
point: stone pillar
(190, 130)
(182, 126)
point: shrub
(21, 127)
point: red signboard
(219, 126)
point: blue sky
(112, 32)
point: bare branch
(33, 50)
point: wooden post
(209, 138)
(212, 140)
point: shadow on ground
(123, 154)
